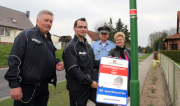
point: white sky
(153, 15)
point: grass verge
(144, 56)
(58, 96)
(6, 49)
(4, 54)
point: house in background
(173, 42)
(91, 37)
(12, 22)
(65, 39)
(55, 40)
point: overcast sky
(153, 15)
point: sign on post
(113, 77)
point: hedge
(172, 54)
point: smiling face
(81, 28)
(120, 41)
(44, 22)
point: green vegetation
(58, 96)
(144, 56)
(6, 49)
(59, 54)
(146, 49)
(6, 102)
(4, 54)
(178, 63)
(172, 54)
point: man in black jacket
(32, 63)
(79, 63)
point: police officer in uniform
(102, 47)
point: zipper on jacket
(42, 73)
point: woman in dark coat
(121, 52)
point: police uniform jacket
(79, 63)
(102, 51)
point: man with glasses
(103, 46)
(79, 62)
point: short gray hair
(44, 12)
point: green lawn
(4, 53)
(144, 56)
(6, 49)
(59, 96)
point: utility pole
(134, 83)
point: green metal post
(134, 83)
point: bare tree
(172, 31)
(99, 23)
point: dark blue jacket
(27, 59)
(79, 62)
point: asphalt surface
(5, 90)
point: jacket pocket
(83, 60)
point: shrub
(172, 54)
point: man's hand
(94, 84)
(16, 93)
(59, 66)
(116, 57)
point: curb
(5, 98)
(3, 68)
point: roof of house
(176, 36)
(92, 35)
(14, 19)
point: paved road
(5, 90)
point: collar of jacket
(107, 42)
(76, 38)
(48, 34)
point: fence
(172, 74)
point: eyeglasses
(80, 27)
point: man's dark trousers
(40, 97)
(80, 98)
